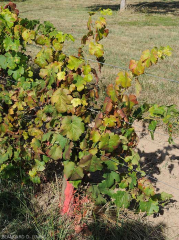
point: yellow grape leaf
(123, 80)
(76, 102)
(61, 76)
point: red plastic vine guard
(67, 197)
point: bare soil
(161, 161)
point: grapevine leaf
(110, 179)
(68, 151)
(109, 121)
(122, 199)
(111, 165)
(162, 196)
(133, 180)
(137, 68)
(72, 127)
(149, 207)
(68, 168)
(95, 164)
(62, 100)
(74, 63)
(77, 174)
(152, 127)
(57, 45)
(95, 192)
(138, 88)
(3, 62)
(44, 57)
(146, 186)
(79, 82)
(95, 136)
(39, 166)
(59, 139)
(28, 35)
(43, 40)
(76, 102)
(55, 152)
(96, 49)
(112, 92)
(123, 80)
(86, 69)
(106, 12)
(61, 76)
(4, 157)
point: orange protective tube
(68, 199)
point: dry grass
(38, 217)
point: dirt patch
(161, 161)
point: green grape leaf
(35, 179)
(111, 92)
(133, 182)
(75, 183)
(74, 63)
(72, 127)
(57, 45)
(59, 139)
(68, 168)
(109, 142)
(46, 136)
(39, 166)
(4, 157)
(123, 80)
(96, 49)
(149, 207)
(138, 88)
(95, 192)
(62, 100)
(43, 40)
(111, 165)
(61, 76)
(77, 174)
(95, 136)
(90, 163)
(44, 57)
(106, 12)
(55, 152)
(3, 62)
(28, 35)
(152, 126)
(86, 69)
(88, 78)
(146, 186)
(9, 44)
(109, 121)
(7, 17)
(79, 82)
(110, 179)
(121, 199)
(11, 63)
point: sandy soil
(161, 161)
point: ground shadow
(153, 159)
(130, 230)
(114, 7)
(144, 7)
(157, 7)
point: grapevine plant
(55, 115)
